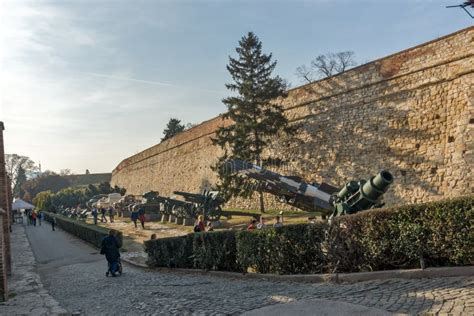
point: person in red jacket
(141, 216)
(33, 218)
(252, 225)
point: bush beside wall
(173, 252)
(437, 233)
(431, 234)
(90, 233)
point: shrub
(436, 234)
(90, 233)
(285, 250)
(173, 252)
(215, 251)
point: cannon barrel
(355, 197)
(191, 197)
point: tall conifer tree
(257, 117)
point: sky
(86, 84)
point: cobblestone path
(80, 285)
(28, 295)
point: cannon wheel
(214, 214)
(180, 211)
(167, 209)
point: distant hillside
(78, 180)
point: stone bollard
(178, 221)
(171, 219)
(164, 218)
(188, 222)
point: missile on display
(354, 197)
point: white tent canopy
(19, 204)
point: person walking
(134, 217)
(111, 214)
(110, 248)
(28, 216)
(40, 217)
(33, 217)
(53, 223)
(95, 215)
(141, 216)
(103, 212)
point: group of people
(261, 225)
(103, 212)
(32, 217)
(200, 226)
(138, 215)
(135, 216)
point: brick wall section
(410, 113)
(4, 222)
(9, 217)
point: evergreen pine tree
(257, 118)
(173, 127)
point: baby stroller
(119, 269)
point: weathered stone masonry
(411, 113)
(5, 205)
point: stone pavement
(74, 274)
(27, 294)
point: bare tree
(18, 169)
(65, 172)
(327, 65)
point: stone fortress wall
(411, 113)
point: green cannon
(358, 196)
(207, 204)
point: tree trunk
(262, 204)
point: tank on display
(331, 201)
(207, 204)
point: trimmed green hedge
(90, 233)
(431, 234)
(173, 252)
(285, 250)
(438, 233)
(215, 251)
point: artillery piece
(167, 206)
(207, 204)
(354, 197)
(103, 200)
(123, 206)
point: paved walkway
(28, 295)
(74, 274)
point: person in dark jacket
(95, 215)
(103, 211)
(110, 248)
(134, 217)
